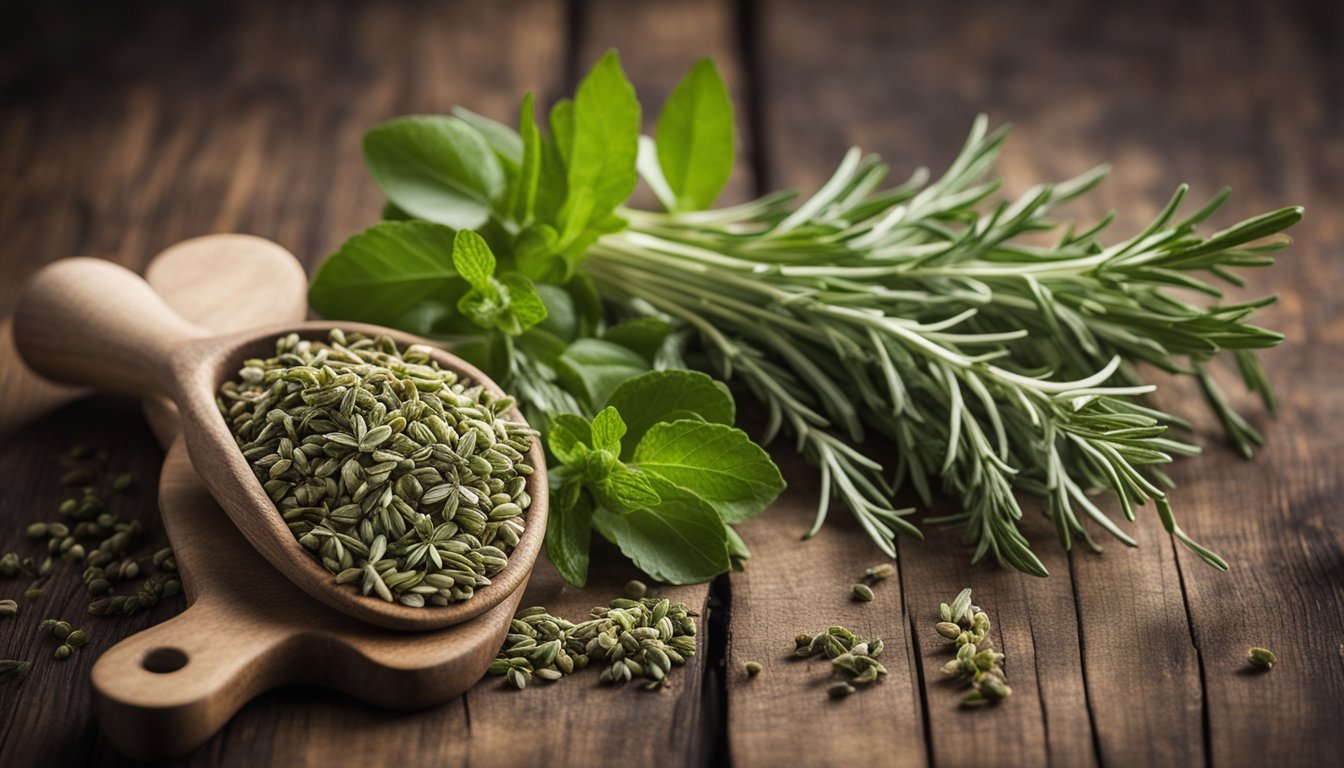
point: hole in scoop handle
(91, 322)
(166, 690)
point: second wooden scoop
(90, 322)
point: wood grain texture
(783, 715)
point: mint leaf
(536, 253)
(607, 430)
(695, 137)
(508, 146)
(568, 534)
(561, 321)
(592, 368)
(392, 273)
(679, 541)
(624, 490)
(568, 438)
(717, 463)
(473, 259)
(644, 335)
(659, 396)
(601, 161)
(435, 168)
(524, 304)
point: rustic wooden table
(127, 127)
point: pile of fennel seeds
(399, 477)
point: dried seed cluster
(852, 658)
(69, 637)
(97, 538)
(977, 663)
(863, 590)
(632, 638)
(394, 474)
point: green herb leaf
(716, 462)
(436, 168)
(525, 305)
(607, 430)
(623, 490)
(593, 368)
(695, 137)
(605, 138)
(473, 260)
(659, 396)
(568, 535)
(507, 144)
(523, 194)
(569, 438)
(644, 335)
(388, 275)
(680, 541)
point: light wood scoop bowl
(89, 322)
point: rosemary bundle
(996, 347)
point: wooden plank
(253, 127)
(1275, 519)
(783, 716)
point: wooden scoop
(165, 691)
(90, 322)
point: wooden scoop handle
(91, 322)
(168, 688)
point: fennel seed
(403, 481)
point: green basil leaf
(561, 320)
(507, 144)
(569, 438)
(592, 368)
(392, 213)
(587, 302)
(695, 137)
(680, 541)
(388, 274)
(473, 260)
(607, 431)
(536, 252)
(525, 306)
(718, 463)
(624, 490)
(435, 168)
(601, 161)
(568, 536)
(659, 396)
(644, 335)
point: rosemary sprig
(923, 314)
